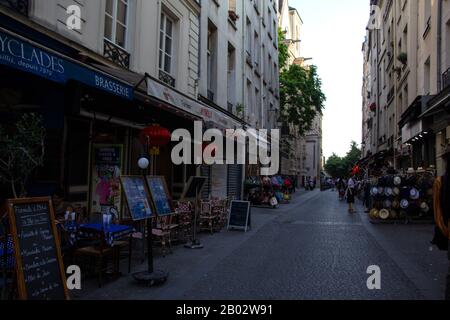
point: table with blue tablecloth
(112, 233)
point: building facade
(405, 62)
(110, 68)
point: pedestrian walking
(350, 194)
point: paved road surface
(309, 249)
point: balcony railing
(167, 78)
(116, 54)
(20, 6)
(446, 79)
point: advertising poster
(106, 171)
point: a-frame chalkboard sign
(39, 265)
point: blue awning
(22, 54)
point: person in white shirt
(350, 194)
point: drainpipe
(199, 56)
(439, 47)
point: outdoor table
(112, 233)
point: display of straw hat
(404, 204)
(384, 214)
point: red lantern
(156, 137)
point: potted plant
(403, 58)
(233, 15)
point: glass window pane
(109, 7)
(169, 28)
(120, 35)
(163, 18)
(122, 12)
(108, 28)
(161, 40)
(167, 64)
(168, 46)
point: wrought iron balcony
(20, 6)
(167, 78)
(116, 54)
(446, 79)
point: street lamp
(151, 276)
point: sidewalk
(185, 266)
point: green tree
(301, 95)
(21, 151)
(340, 167)
(283, 54)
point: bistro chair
(184, 213)
(208, 217)
(162, 232)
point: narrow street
(309, 249)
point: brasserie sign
(23, 56)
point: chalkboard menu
(160, 195)
(194, 185)
(240, 216)
(136, 197)
(39, 266)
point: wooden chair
(207, 217)
(162, 232)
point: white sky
(333, 33)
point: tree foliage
(301, 95)
(339, 167)
(21, 151)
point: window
(256, 51)
(249, 37)
(427, 13)
(249, 98)
(166, 44)
(211, 53)
(116, 21)
(231, 81)
(426, 77)
(269, 71)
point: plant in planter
(233, 15)
(403, 58)
(240, 110)
(21, 151)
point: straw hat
(396, 191)
(404, 204)
(414, 194)
(397, 181)
(374, 213)
(384, 214)
(424, 207)
(388, 192)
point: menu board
(39, 266)
(160, 195)
(240, 215)
(136, 197)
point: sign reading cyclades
(22, 55)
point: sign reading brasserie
(39, 266)
(21, 55)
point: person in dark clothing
(441, 195)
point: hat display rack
(402, 197)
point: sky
(333, 33)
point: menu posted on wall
(240, 216)
(160, 195)
(136, 197)
(39, 265)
